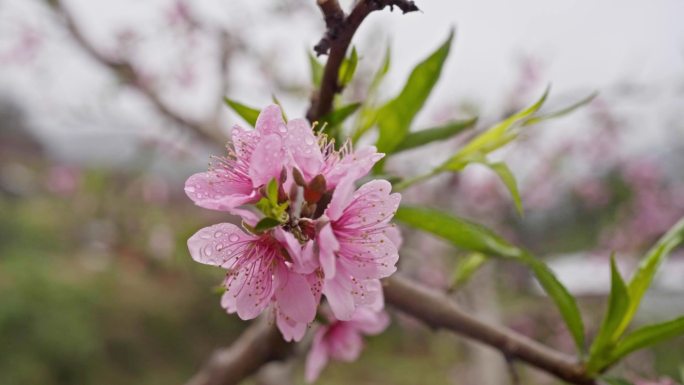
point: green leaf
(348, 68)
(460, 232)
(493, 138)
(394, 118)
(560, 295)
(647, 336)
(423, 137)
(266, 224)
(249, 114)
(618, 302)
(272, 191)
(368, 114)
(282, 110)
(642, 278)
(339, 115)
(474, 237)
(563, 111)
(506, 176)
(316, 69)
(466, 268)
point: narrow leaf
(642, 278)
(395, 118)
(316, 70)
(339, 115)
(466, 268)
(507, 177)
(493, 138)
(266, 224)
(282, 110)
(460, 232)
(618, 302)
(423, 137)
(648, 336)
(560, 295)
(249, 114)
(563, 111)
(348, 68)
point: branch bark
(207, 132)
(258, 345)
(335, 42)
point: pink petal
(256, 290)
(345, 343)
(291, 330)
(338, 291)
(370, 322)
(341, 198)
(327, 246)
(317, 357)
(369, 295)
(303, 260)
(303, 147)
(369, 257)
(354, 165)
(244, 141)
(218, 245)
(394, 235)
(267, 160)
(294, 298)
(215, 190)
(372, 205)
(228, 302)
(270, 121)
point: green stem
(403, 185)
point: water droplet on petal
(190, 189)
(218, 234)
(309, 141)
(234, 238)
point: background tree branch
(207, 132)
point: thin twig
(206, 131)
(335, 42)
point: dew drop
(218, 234)
(309, 141)
(233, 238)
(190, 189)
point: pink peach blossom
(258, 275)
(357, 244)
(342, 340)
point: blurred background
(106, 107)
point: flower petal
(327, 247)
(267, 160)
(219, 245)
(291, 329)
(215, 190)
(293, 297)
(342, 196)
(338, 291)
(317, 357)
(270, 121)
(304, 148)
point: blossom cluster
(307, 232)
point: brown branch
(258, 345)
(208, 132)
(435, 309)
(335, 42)
(429, 306)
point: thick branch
(125, 71)
(436, 310)
(335, 42)
(258, 345)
